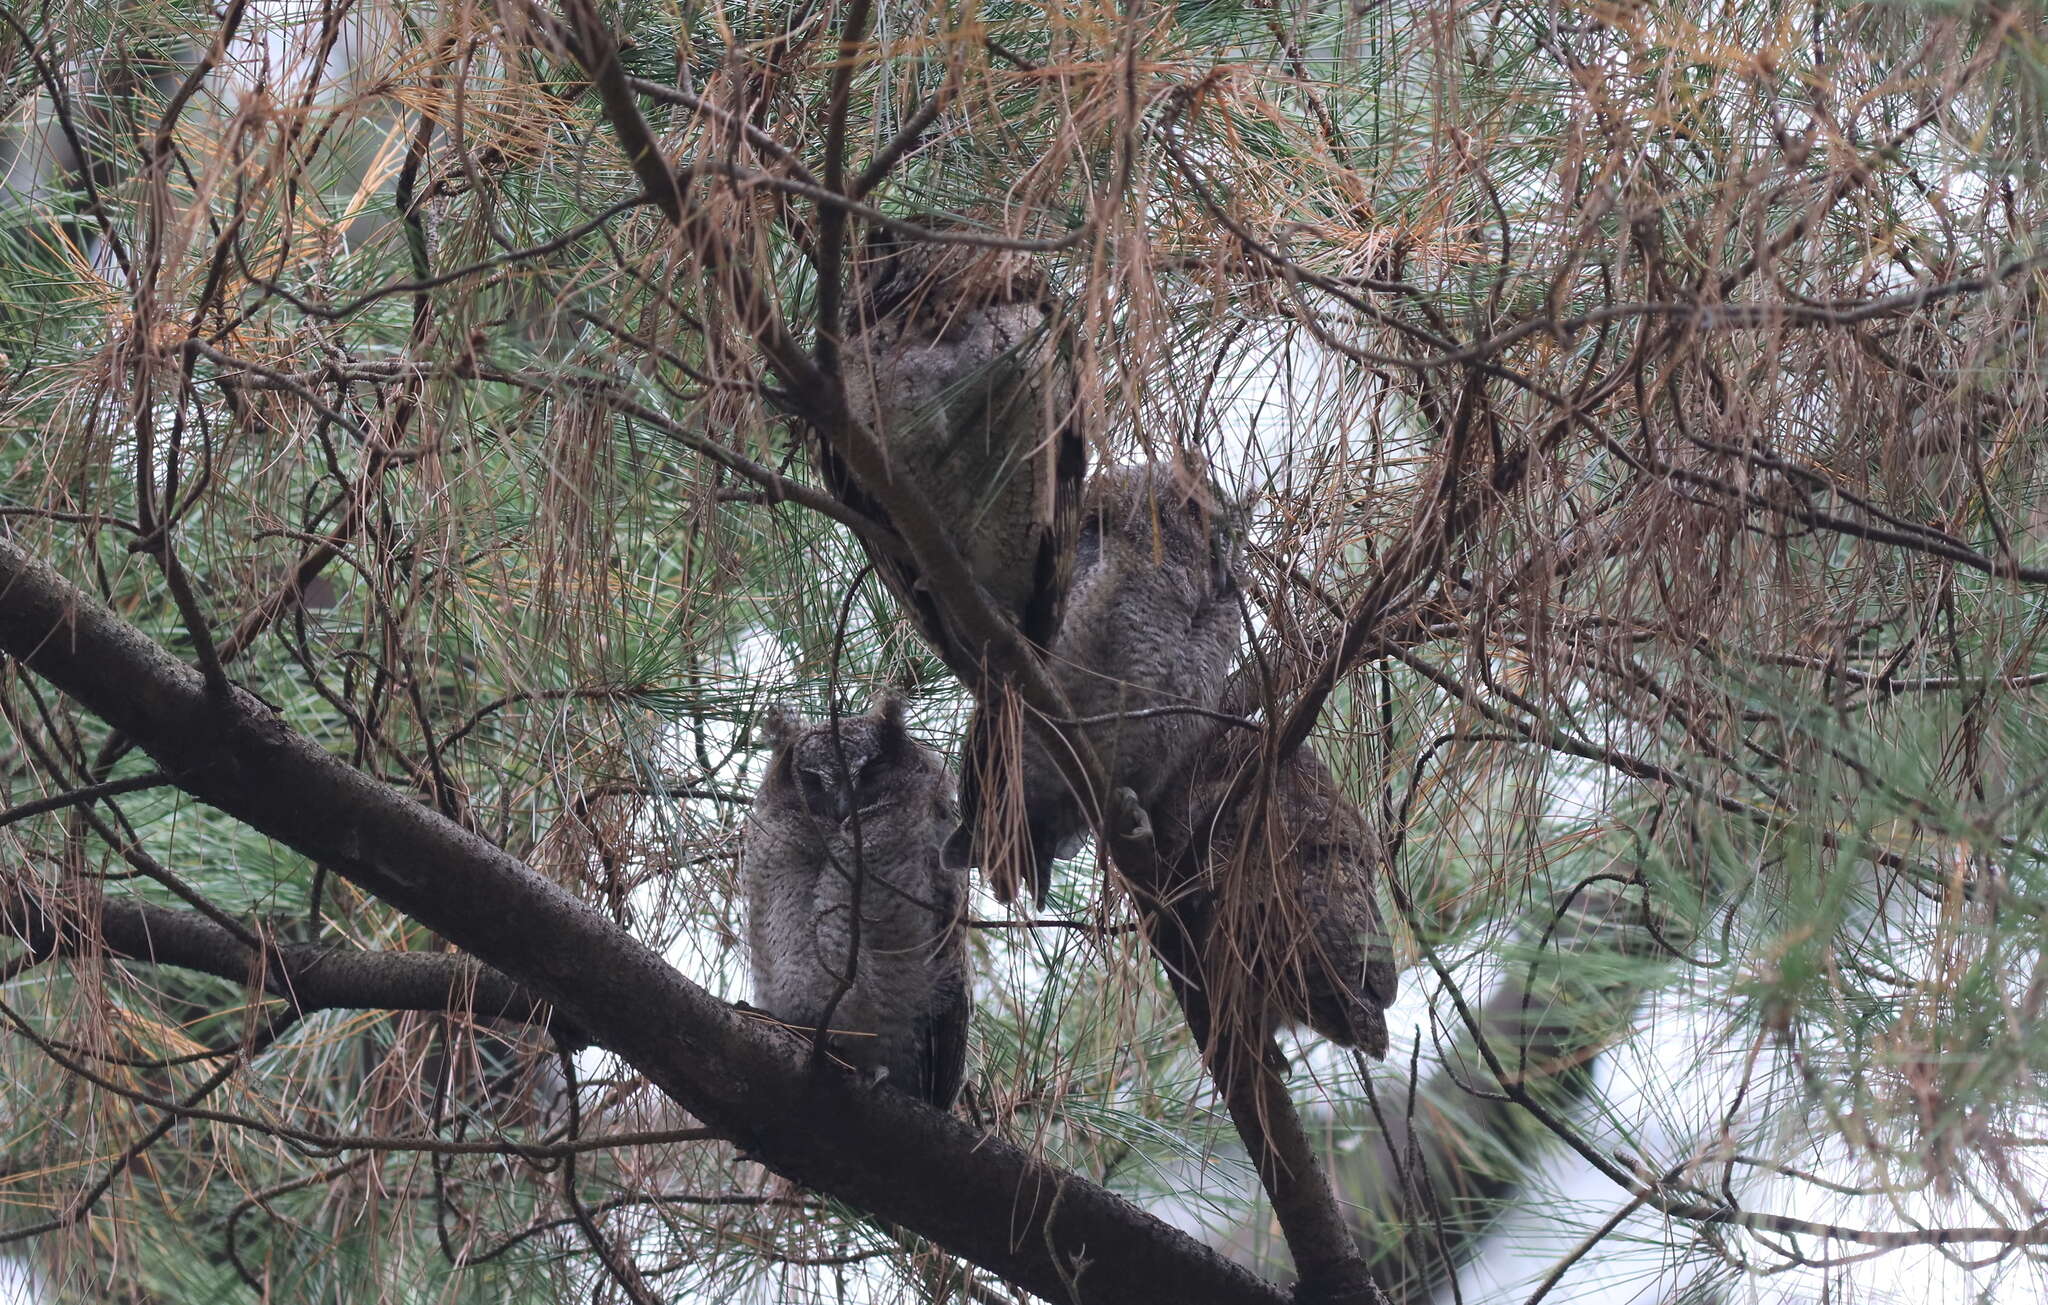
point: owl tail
(1348, 996)
(995, 831)
(1343, 958)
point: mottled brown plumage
(1282, 894)
(856, 817)
(1151, 628)
(958, 361)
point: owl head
(830, 774)
(1172, 508)
(900, 274)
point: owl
(958, 360)
(1151, 626)
(848, 898)
(1282, 894)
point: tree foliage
(1637, 416)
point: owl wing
(1006, 392)
(1061, 469)
(944, 1027)
(1347, 972)
(945, 1040)
(1317, 949)
(897, 573)
(1346, 967)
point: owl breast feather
(962, 409)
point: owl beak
(842, 804)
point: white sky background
(17, 1285)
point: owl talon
(1128, 817)
(1277, 1062)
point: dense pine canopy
(409, 509)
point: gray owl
(847, 895)
(1151, 624)
(1283, 905)
(958, 361)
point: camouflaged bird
(959, 361)
(1145, 648)
(1282, 902)
(848, 826)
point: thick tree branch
(981, 1198)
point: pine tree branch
(311, 977)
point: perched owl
(1151, 625)
(848, 826)
(1283, 900)
(958, 360)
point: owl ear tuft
(889, 705)
(882, 287)
(780, 724)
